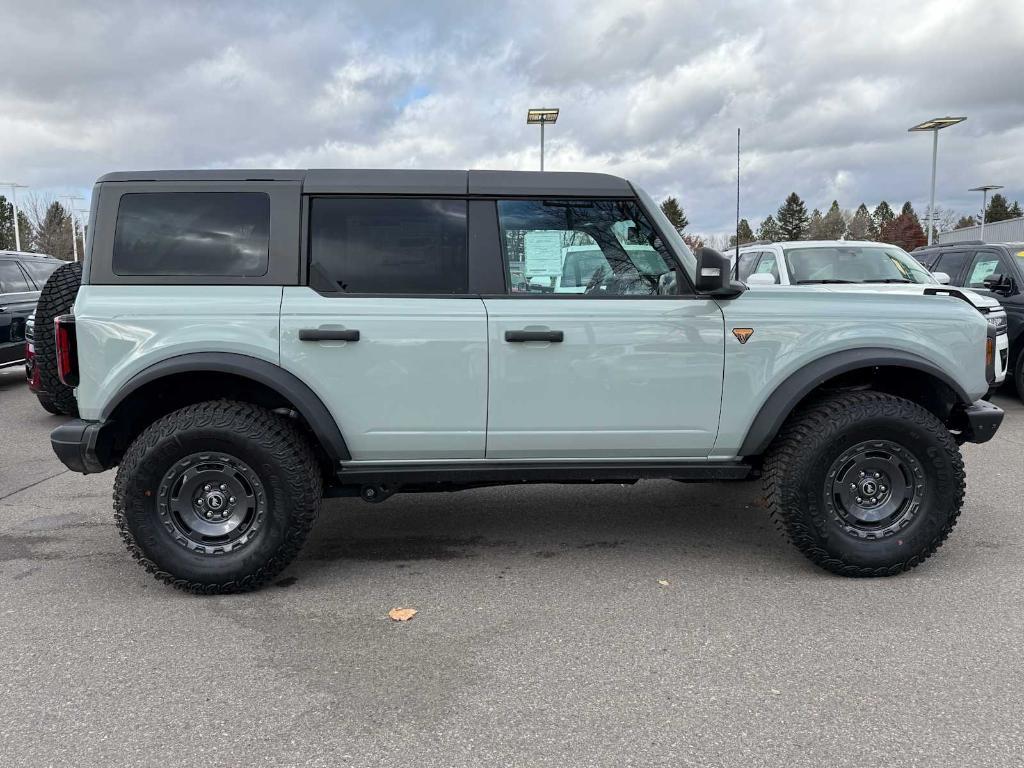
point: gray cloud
(824, 92)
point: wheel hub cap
(211, 503)
(874, 488)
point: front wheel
(217, 497)
(865, 483)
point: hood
(983, 304)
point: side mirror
(760, 278)
(1001, 284)
(941, 278)
(713, 275)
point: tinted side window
(388, 246)
(985, 263)
(211, 234)
(581, 248)
(952, 264)
(40, 271)
(746, 264)
(12, 279)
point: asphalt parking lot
(543, 638)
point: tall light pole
(984, 202)
(74, 228)
(14, 201)
(541, 117)
(935, 125)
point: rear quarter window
(207, 234)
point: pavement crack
(32, 485)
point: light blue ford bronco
(245, 343)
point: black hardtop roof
(407, 182)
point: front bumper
(979, 421)
(81, 447)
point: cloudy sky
(824, 93)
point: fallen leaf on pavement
(401, 614)
(663, 582)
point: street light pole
(541, 117)
(984, 202)
(935, 125)
(74, 224)
(14, 201)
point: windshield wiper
(890, 280)
(821, 282)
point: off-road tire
(48, 405)
(286, 476)
(801, 494)
(56, 298)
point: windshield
(854, 264)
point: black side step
(397, 476)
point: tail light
(67, 349)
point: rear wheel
(865, 484)
(217, 497)
(56, 298)
(47, 403)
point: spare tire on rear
(56, 298)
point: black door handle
(327, 334)
(533, 336)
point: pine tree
(833, 225)
(883, 216)
(814, 226)
(965, 221)
(675, 214)
(998, 209)
(905, 230)
(7, 240)
(1015, 212)
(862, 226)
(793, 218)
(54, 234)
(746, 234)
(26, 233)
(769, 229)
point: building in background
(1006, 231)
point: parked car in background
(852, 265)
(828, 262)
(246, 342)
(22, 276)
(995, 270)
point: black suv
(995, 269)
(22, 276)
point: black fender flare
(286, 384)
(800, 383)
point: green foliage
(862, 226)
(965, 221)
(746, 234)
(815, 226)
(769, 229)
(54, 234)
(675, 214)
(793, 219)
(998, 209)
(883, 216)
(833, 224)
(7, 240)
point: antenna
(737, 195)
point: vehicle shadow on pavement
(543, 522)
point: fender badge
(742, 334)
